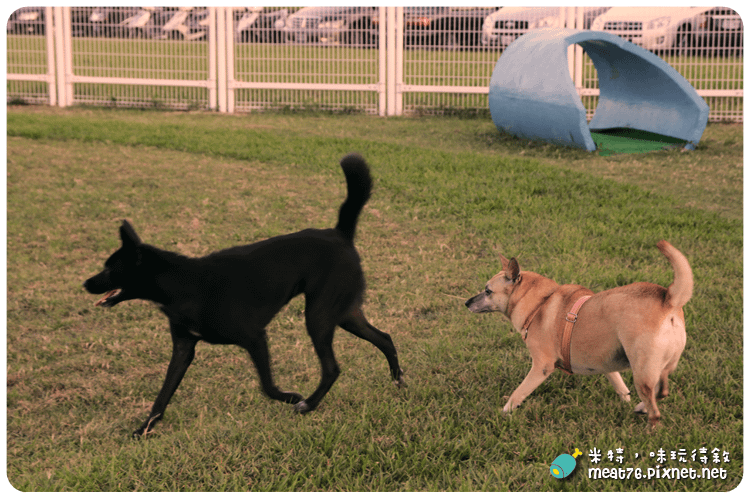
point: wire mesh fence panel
(325, 58)
(439, 60)
(30, 65)
(446, 65)
(141, 56)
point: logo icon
(564, 465)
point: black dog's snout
(97, 284)
(90, 286)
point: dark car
(262, 24)
(452, 27)
(27, 21)
(722, 32)
(332, 26)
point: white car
(501, 28)
(654, 28)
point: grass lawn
(449, 194)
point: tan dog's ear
(512, 271)
(504, 262)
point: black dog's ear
(128, 235)
(513, 272)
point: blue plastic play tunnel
(532, 95)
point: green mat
(628, 141)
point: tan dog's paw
(509, 407)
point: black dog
(229, 297)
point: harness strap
(570, 319)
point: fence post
(67, 37)
(395, 58)
(391, 59)
(215, 53)
(49, 32)
(382, 61)
(230, 58)
(399, 34)
(219, 40)
(61, 57)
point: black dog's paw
(292, 398)
(147, 427)
(141, 432)
(400, 382)
(302, 407)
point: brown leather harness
(570, 319)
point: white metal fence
(379, 60)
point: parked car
(187, 23)
(79, 21)
(332, 26)
(504, 26)
(26, 21)
(721, 32)
(654, 28)
(101, 21)
(456, 27)
(262, 24)
(146, 22)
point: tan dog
(639, 326)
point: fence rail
(379, 60)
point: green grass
(449, 195)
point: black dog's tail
(358, 187)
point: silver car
(501, 28)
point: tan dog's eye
(487, 291)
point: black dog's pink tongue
(104, 299)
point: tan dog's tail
(680, 291)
